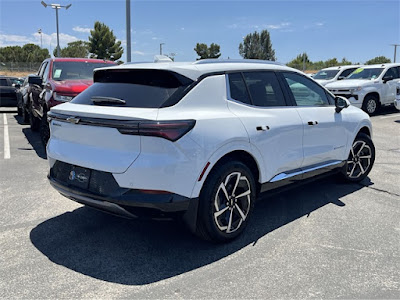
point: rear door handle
(262, 128)
(311, 123)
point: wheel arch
(374, 94)
(366, 131)
(253, 162)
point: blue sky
(357, 29)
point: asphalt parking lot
(322, 240)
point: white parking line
(7, 154)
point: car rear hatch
(100, 128)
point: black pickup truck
(8, 90)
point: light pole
(57, 7)
(40, 32)
(395, 48)
(161, 47)
(128, 30)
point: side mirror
(387, 78)
(35, 80)
(16, 85)
(341, 103)
(341, 78)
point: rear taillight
(170, 130)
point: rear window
(72, 70)
(135, 88)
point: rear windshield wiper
(106, 100)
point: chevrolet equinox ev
(201, 140)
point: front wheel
(226, 202)
(371, 105)
(360, 160)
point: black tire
(25, 115)
(228, 221)
(361, 159)
(44, 130)
(371, 105)
(33, 121)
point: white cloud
(154, 38)
(52, 39)
(319, 24)
(278, 26)
(138, 53)
(245, 25)
(81, 29)
(11, 39)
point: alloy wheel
(371, 106)
(359, 161)
(232, 202)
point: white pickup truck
(369, 87)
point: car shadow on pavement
(35, 141)
(138, 252)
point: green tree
(74, 49)
(102, 42)
(26, 53)
(204, 51)
(297, 63)
(257, 46)
(345, 62)
(378, 60)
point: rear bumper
(134, 203)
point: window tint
(3, 82)
(138, 88)
(237, 88)
(347, 72)
(264, 89)
(305, 91)
(394, 72)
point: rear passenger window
(264, 89)
(237, 88)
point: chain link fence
(19, 67)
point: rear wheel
(44, 130)
(25, 114)
(226, 202)
(33, 121)
(360, 160)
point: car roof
(90, 60)
(341, 67)
(194, 70)
(388, 65)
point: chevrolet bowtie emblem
(73, 120)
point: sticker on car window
(359, 70)
(57, 73)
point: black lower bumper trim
(128, 201)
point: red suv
(58, 80)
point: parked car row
(58, 80)
(367, 87)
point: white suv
(332, 74)
(201, 140)
(369, 87)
